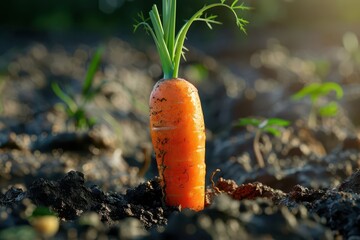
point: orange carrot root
(178, 136)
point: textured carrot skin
(178, 136)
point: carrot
(178, 136)
(176, 120)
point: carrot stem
(161, 44)
(169, 45)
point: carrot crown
(170, 45)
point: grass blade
(248, 121)
(306, 91)
(274, 131)
(64, 97)
(93, 67)
(277, 122)
(332, 86)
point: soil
(101, 182)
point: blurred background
(303, 21)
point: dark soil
(69, 197)
(249, 210)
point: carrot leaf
(170, 45)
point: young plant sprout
(270, 125)
(176, 119)
(74, 109)
(316, 91)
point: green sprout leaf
(307, 91)
(90, 74)
(248, 121)
(76, 110)
(277, 122)
(274, 131)
(270, 125)
(327, 87)
(316, 90)
(170, 46)
(329, 110)
(71, 104)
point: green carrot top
(170, 45)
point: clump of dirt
(69, 197)
(340, 207)
(244, 191)
(352, 184)
(228, 218)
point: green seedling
(317, 91)
(271, 126)
(76, 110)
